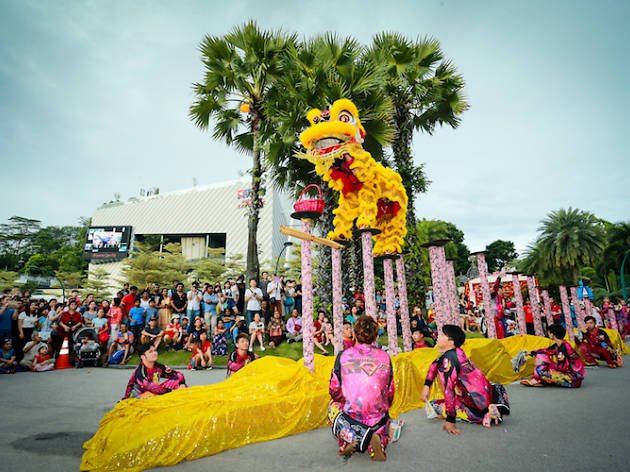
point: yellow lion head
(332, 129)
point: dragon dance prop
(271, 398)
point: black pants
(530, 328)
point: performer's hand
(424, 395)
(451, 428)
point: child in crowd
(219, 341)
(136, 317)
(595, 344)
(202, 355)
(173, 334)
(122, 343)
(197, 329)
(8, 362)
(318, 337)
(257, 332)
(102, 328)
(241, 356)
(151, 311)
(328, 332)
(557, 365)
(348, 335)
(467, 391)
(42, 361)
(418, 339)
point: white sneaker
(262, 348)
(251, 348)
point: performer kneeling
(362, 390)
(145, 380)
(595, 344)
(557, 365)
(468, 395)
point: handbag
(103, 337)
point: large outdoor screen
(107, 243)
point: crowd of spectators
(206, 319)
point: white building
(212, 216)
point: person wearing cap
(174, 333)
(152, 333)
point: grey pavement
(46, 418)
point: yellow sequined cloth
(268, 399)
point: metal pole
(287, 244)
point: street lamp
(63, 289)
(284, 246)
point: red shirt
(69, 320)
(529, 315)
(128, 300)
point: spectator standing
(164, 304)
(151, 312)
(274, 290)
(210, 304)
(253, 298)
(194, 302)
(90, 314)
(179, 300)
(136, 319)
(115, 315)
(264, 282)
(69, 322)
(6, 317)
(289, 296)
(27, 320)
(101, 326)
(128, 301)
(294, 327)
(144, 299)
(240, 293)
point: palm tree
(425, 91)
(318, 72)
(568, 240)
(240, 69)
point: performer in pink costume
(362, 391)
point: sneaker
(262, 348)
(532, 382)
(251, 348)
(492, 417)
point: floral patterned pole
(518, 297)
(566, 309)
(392, 334)
(368, 273)
(579, 315)
(533, 299)
(404, 303)
(588, 307)
(307, 300)
(337, 288)
(452, 291)
(547, 304)
(440, 295)
(612, 319)
(485, 290)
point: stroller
(86, 347)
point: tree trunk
(253, 264)
(575, 275)
(403, 159)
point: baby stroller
(87, 348)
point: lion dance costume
(369, 193)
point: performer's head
(366, 329)
(147, 352)
(556, 332)
(590, 322)
(242, 341)
(451, 336)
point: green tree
(499, 253)
(425, 91)
(567, 240)
(240, 69)
(7, 279)
(16, 240)
(71, 279)
(98, 283)
(156, 267)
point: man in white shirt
(274, 290)
(253, 297)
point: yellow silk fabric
(271, 398)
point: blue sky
(94, 99)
